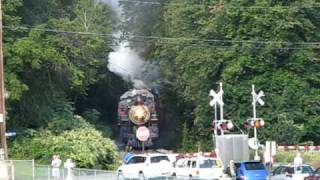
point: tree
(45, 68)
(223, 41)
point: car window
(136, 160)
(180, 163)
(157, 159)
(317, 172)
(286, 170)
(305, 170)
(194, 164)
(209, 163)
(189, 163)
(277, 170)
(254, 166)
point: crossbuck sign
(217, 97)
(257, 97)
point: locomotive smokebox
(139, 114)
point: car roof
(150, 155)
(242, 162)
(293, 165)
(200, 158)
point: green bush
(86, 146)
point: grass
(312, 158)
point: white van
(146, 166)
(199, 167)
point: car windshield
(157, 159)
(209, 163)
(254, 166)
(136, 160)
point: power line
(155, 3)
(143, 38)
(130, 37)
(56, 31)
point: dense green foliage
(239, 44)
(53, 72)
(85, 145)
(50, 70)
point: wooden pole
(2, 94)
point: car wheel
(141, 176)
(174, 174)
(120, 175)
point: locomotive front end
(137, 108)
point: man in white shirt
(298, 160)
(69, 165)
(56, 163)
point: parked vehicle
(314, 176)
(146, 165)
(199, 167)
(249, 170)
(289, 172)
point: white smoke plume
(126, 61)
(114, 5)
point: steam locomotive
(138, 107)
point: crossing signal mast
(222, 124)
(256, 122)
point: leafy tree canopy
(235, 43)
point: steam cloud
(114, 5)
(126, 62)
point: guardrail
(301, 148)
(28, 170)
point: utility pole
(2, 95)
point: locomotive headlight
(139, 114)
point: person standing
(69, 165)
(56, 163)
(298, 160)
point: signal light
(257, 123)
(222, 126)
(252, 123)
(227, 125)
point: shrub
(86, 146)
